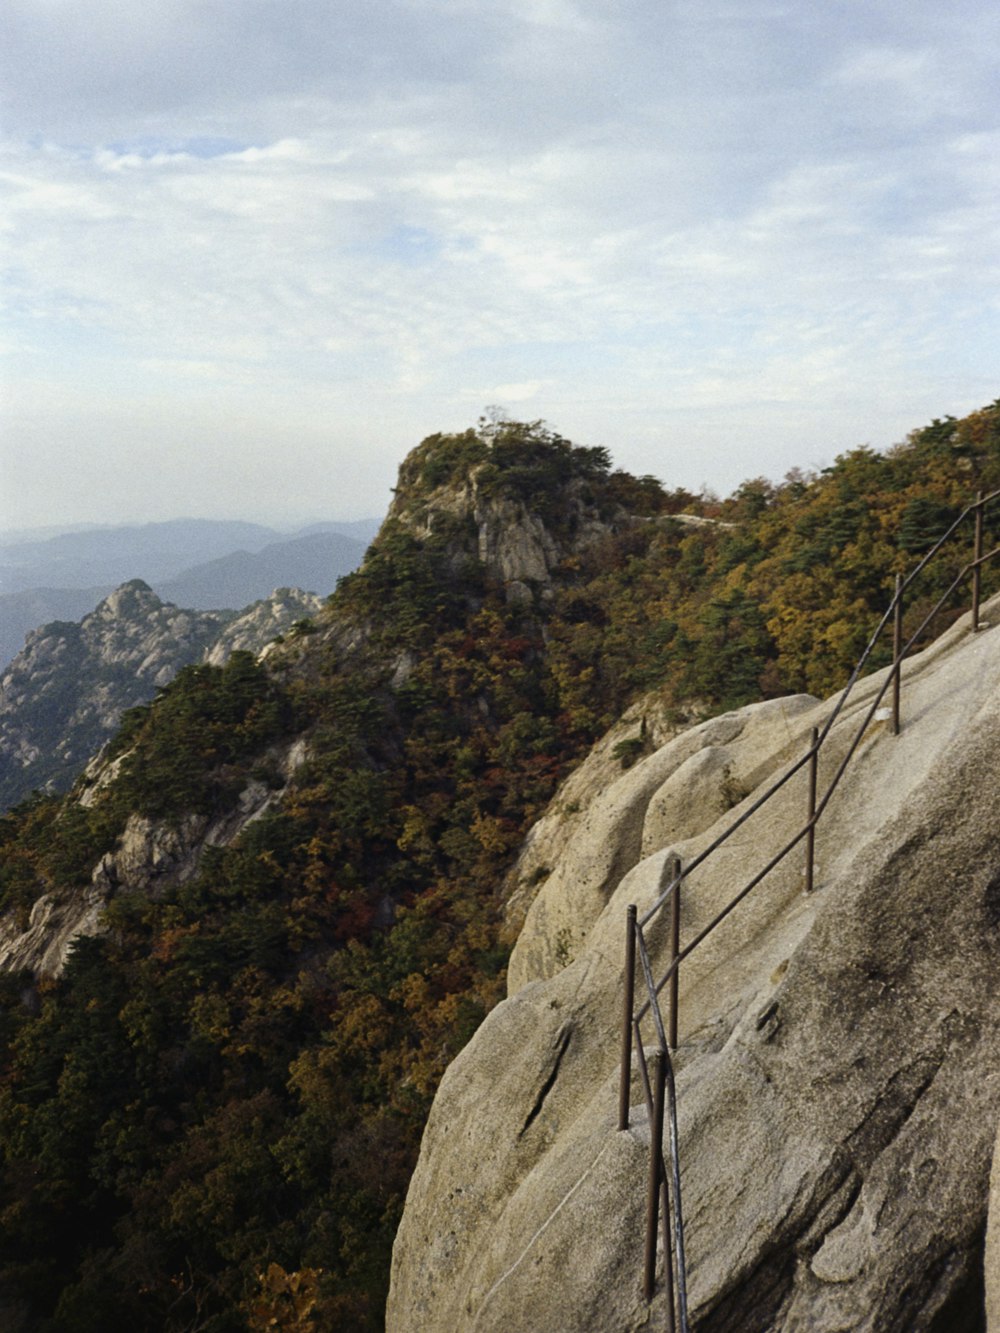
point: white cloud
(881, 65)
(621, 214)
(506, 393)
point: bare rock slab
(839, 1066)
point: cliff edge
(838, 1064)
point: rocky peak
(515, 495)
(133, 598)
(62, 696)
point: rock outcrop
(518, 547)
(62, 696)
(839, 1052)
(150, 856)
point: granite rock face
(62, 696)
(515, 545)
(838, 1071)
(149, 856)
(671, 795)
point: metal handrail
(848, 688)
(659, 1091)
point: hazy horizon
(40, 532)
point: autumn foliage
(209, 1121)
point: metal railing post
(668, 1251)
(659, 1074)
(811, 835)
(897, 649)
(628, 1005)
(977, 555)
(675, 948)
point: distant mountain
(314, 562)
(21, 612)
(152, 551)
(361, 529)
(62, 696)
(195, 563)
(11, 536)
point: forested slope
(209, 1118)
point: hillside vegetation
(209, 1119)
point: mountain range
(310, 986)
(199, 563)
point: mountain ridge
(285, 897)
(313, 559)
(63, 695)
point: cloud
(506, 393)
(622, 214)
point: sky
(255, 250)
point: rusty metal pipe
(985, 559)
(977, 556)
(655, 1171)
(627, 1006)
(811, 835)
(675, 948)
(897, 651)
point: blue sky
(255, 251)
